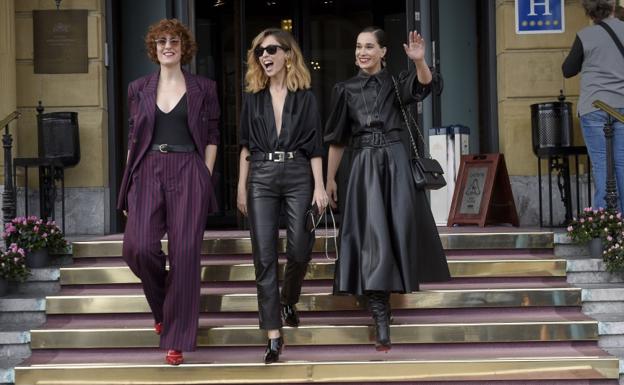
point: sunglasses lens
(271, 50)
(258, 51)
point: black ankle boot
(378, 304)
(290, 316)
(273, 350)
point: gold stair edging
(322, 271)
(242, 245)
(431, 333)
(531, 368)
(427, 299)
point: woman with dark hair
(166, 187)
(280, 164)
(388, 238)
(597, 58)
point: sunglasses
(163, 42)
(271, 49)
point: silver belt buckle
(279, 156)
(163, 148)
(378, 139)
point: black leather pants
(271, 185)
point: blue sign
(539, 16)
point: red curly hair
(171, 27)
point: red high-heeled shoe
(158, 328)
(174, 357)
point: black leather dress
(388, 237)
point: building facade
(491, 77)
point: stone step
(238, 242)
(7, 371)
(591, 270)
(576, 362)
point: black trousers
(271, 185)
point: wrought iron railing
(612, 115)
(8, 196)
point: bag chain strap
(405, 114)
(335, 237)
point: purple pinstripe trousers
(169, 193)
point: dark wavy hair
(598, 10)
(171, 27)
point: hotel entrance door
(326, 31)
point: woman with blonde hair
(280, 164)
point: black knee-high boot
(378, 303)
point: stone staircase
(603, 295)
(22, 310)
(508, 317)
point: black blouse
(172, 127)
(301, 124)
(367, 103)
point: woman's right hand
(241, 200)
(332, 192)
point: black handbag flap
(431, 166)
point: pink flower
(590, 219)
(44, 235)
(609, 238)
(36, 229)
(570, 228)
(582, 220)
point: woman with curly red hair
(166, 187)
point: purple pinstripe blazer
(203, 120)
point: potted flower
(12, 267)
(35, 236)
(593, 227)
(613, 254)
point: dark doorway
(326, 31)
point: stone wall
(529, 71)
(85, 93)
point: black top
(301, 124)
(172, 127)
(574, 62)
(367, 103)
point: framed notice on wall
(482, 192)
(60, 41)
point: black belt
(275, 156)
(164, 148)
(376, 139)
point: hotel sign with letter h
(539, 16)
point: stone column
(8, 86)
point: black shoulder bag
(426, 171)
(611, 33)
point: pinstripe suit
(169, 193)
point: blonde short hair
(297, 76)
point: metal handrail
(609, 110)
(11, 117)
